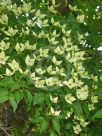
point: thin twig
(6, 115)
(5, 131)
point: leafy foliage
(50, 67)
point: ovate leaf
(9, 83)
(78, 108)
(43, 126)
(99, 92)
(13, 102)
(28, 99)
(37, 119)
(38, 98)
(3, 96)
(53, 133)
(18, 96)
(98, 114)
(56, 125)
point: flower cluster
(40, 47)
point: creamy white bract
(45, 55)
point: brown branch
(5, 131)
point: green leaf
(78, 108)
(98, 114)
(18, 96)
(37, 119)
(3, 96)
(95, 131)
(43, 125)
(68, 125)
(6, 82)
(38, 98)
(99, 92)
(3, 89)
(85, 109)
(13, 102)
(56, 125)
(28, 97)
(13, 85)
(69, 68)
(9, 83)
(53, 133)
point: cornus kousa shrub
(42, 68)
